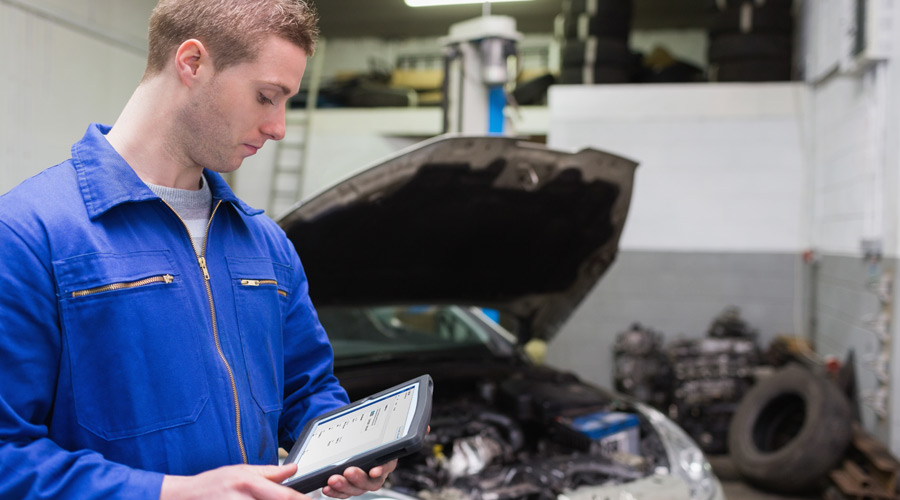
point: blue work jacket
(125, 356)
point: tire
(597, 74)
(789, 430)
(720, 5)
(732, 48)
(765, 19)
(582, 26)
(596, 52)
(606, 8)
(752, 71)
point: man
(154, 329)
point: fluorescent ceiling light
(431, 3)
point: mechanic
(156, 335)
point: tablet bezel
(412, 442)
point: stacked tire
(750, 40)
(594, 41)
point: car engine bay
(525, 438)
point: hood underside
(488, 221)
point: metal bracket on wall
(881, 284)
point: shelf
(407, 122)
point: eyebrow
(284, 88)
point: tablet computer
(364, 434)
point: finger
(367, 481)
(382, 471)
(276, 473)
(340, 487)
(328, 491)
(352, 483)
(267, 490)
(267, 483)
(388, 467)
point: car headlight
(685, 458)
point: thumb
(277, 473)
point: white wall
(853, 199)
(721, 165)
(850, 202)
(849, 193)
(59, 77)
(854, 123)
(715, 217)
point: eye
(263, 99)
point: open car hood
(488, 221)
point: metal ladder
(292, 153)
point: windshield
(387, 331)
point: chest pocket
(261, 292)
(132, 343)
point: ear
(192, 62)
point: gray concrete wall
(679, 294)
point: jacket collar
(107, 180)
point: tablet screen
(358, 430)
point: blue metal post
(496, 103)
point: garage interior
(775, 201)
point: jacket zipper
(263, 282)
(201, 260)
(165, 278)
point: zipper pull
(168, 278)
(250, 282)
(202, 262)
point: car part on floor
(790, 430)
(711, 376)
(868, 471)
(697, 382)
(642, 369)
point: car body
(451, 257)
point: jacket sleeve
(31, 464)
(310, 387)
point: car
(455, 258)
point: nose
(274, 126)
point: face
(238, 109)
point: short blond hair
(231, 30)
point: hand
(234, 482)
(356, 482)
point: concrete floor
(735, 489)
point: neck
(142, 136)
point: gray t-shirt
(194, 208)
